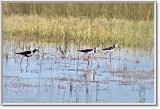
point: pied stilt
(110, 50)
(28, 53)
(89, 52)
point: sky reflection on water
(57, 78)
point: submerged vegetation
(91, 23)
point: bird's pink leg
(86, 58)
(110, 55)
(105, 55)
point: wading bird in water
(28, 53)
(110, 50)
(89, 52)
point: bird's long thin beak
(39, 51)
(99, 51)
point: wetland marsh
(57, 78)
(59, 73)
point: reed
(132, 11)
(98, 31)
(94, 24)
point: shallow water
(52, 77)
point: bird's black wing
(109, 48)
(86, 50)
(24, 53)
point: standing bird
(110, 50)
(89, 52)
(28, 53)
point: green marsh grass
(98, 31)
(93, 24)
(130, 11)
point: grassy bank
(98, 31)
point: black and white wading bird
(110, 49)
(89, 52)
(28, 53)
